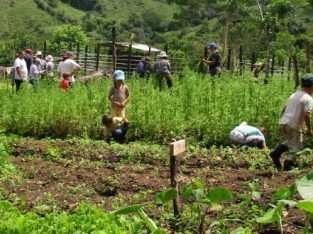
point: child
(246, 135)
(118, 95)
(64, 84)
(115, 127)
(293, 116)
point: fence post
(240, 60)
(289, 68)
(282, 68)
(86, 56)
(129, 59)
(176, 149)
(229, 59)
(44, 48)
(166, 47)
(253, 60)
(273, 65)
(98, 56)
(149, 53)
(77, 51)
(113, 45)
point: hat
(119, 75)
(49, 58)
(68, 54)
(307, 80)
(212, 45)
(37, 60)
(163, 54)
(38, 53)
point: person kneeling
(246, 135)
(115, 127)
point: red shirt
(64, 84)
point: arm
(307, 120)
(209, 62)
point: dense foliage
(198, 108)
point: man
(162, 68)
(28, 58)
(214, 61)
(21, 71)
(294, 115)
(68, 66)
(246, 135)
(42, 67)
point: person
(214, 61)
(20, 67)
(68, 66)
(64, 83)
(293, 116)
(34, 74)
(162, 68)
(246, 135)
(114, 127)
(258, 67)
(140, 70)
(119, 94)
(147, 66)
(50, 66)
(43, 64)
(28, 58)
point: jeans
(119, 133)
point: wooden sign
(177, 147)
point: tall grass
(196, 108)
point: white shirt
(68, 66)
(21, 64)
(298, 103)
(244, 134)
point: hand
(309, 132)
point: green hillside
(38, 18)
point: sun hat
(38, 53)
(163, 54)
(68, 54)
(212, 45)
(49, 58)
(37, 60)
(307, 80)
(119, 75)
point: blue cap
(212, 45)
(119, 75)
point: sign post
(176, 148)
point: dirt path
(94, 176)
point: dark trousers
(18, 84)
(119, 133)
(168, 78)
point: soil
(90, 174)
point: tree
(70, 34)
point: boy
(293, 116)
(115, 127)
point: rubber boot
(276, 154)
(288, 165)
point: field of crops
(58, 176)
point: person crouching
(115, 127)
